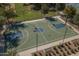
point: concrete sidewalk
(30, 51)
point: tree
(70, 12)
(26, 4)
(9, 15)
(12, 7)
(4, 4)
(60, 6)
(5, 7)
(52, 6)
(76, 19)
(36, 6)
(8, 11)
(2, 21)
(44, 8)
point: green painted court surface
(50, 34)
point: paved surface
(28, 52)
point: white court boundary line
(33, 21)
(29, 51)
(25, 40)
(50, 26)
(28, 36)
(44, 37)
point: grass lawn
(24, 14)
(1, 12)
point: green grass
(24, 14)
(1, 13)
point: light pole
(66, 16)
(36, 41)
(35, 30)
(65, 28)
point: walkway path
(30, 51)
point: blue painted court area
(13, 35)
(58, 26)
(37, 29)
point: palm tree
(70, 12)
